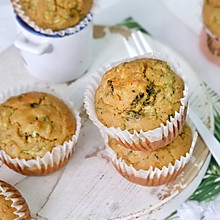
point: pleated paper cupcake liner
(51, 161)
(71, 30)
(213, 36)
(210, 46)
(18, 202)
(152, 177)
(143, 140)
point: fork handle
(210, 140)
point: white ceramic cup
(55, 58)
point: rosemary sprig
(130, 23)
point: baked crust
(56, 15)
(138, 95)
(33, 123)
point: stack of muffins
(140, 106)
(210, 34)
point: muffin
(12, 204)
(55, 15)
(138, 95)
(210, 34)
(32, 125)
(141, 103)
(152, 168)
(211, 16)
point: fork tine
(129, 48)
(137, 43)
(146, 45)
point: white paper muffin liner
(152, 177)
(18, 202)
(51, 161)
(71, 30)
(143, 140)
(211, 34)
(210, 47)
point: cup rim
(39, 34)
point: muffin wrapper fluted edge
(213, 36)
(148, 140)
(51, 161)
(210, 45)
(152, 177)
(18, 202)
(71, 30)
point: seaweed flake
(111, 85)
(150, 89)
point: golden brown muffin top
(6, 210)
(32, 123)
(158, 158)
(211, 16)
(140, 94)
(56, 14)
